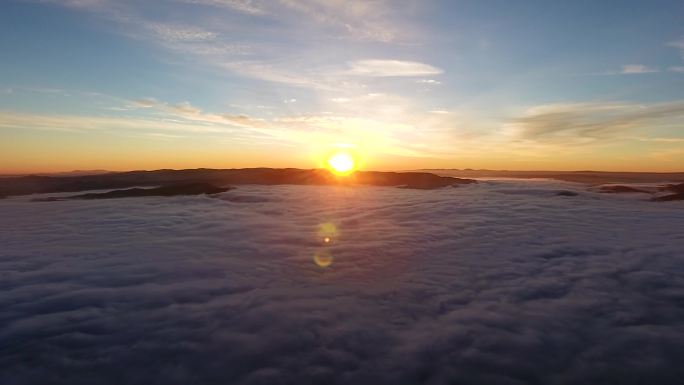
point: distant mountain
(62, 173)
(589, 177)
(164, 191)
(265, 176)
(677, 189)
(621, 189)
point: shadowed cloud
(496, 282)
(587, 122)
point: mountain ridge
(26, 185)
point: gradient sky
(106, 84)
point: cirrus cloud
(588, 122)
(391, 68)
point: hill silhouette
(164, 191)
(677, 189)
(35, 184)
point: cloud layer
(501, 282)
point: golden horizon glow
(60, 155)
(380, 81)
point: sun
(341, 163)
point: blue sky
(237, 83)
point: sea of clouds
(503, 282)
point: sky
(121, 85)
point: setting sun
(341, 163)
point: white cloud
(677, 69)
(637, 69)
(145, 103)
(378, 67)
(272, 73)
(429, 81)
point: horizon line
(104, 171)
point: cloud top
(500, 282)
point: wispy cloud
(176, 33)
(79, 123)
(629, 69)
(391, 121)
(380, 67)
(679, 44)
(583, 123)
(145, 103)
(363, 20)
(659, 139)
(80, 3)
(264, 70)
(246, 6)
(187, 39)
(679, 69)
(668, 155)
(164, 136)
(254, 55)
(187, 111)
(431, 82)
(331, 78)
(359, 20)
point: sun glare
(341, 163)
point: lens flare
(323, 258)
(327, 230)
(341, 163)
